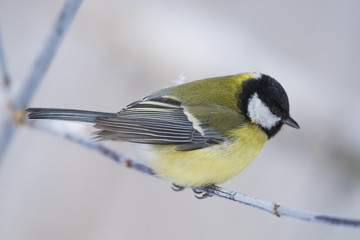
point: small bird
(199, 133)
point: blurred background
(117, 52)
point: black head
(264, 101)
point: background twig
(271, 207)
(3, 66)
(37, 72)
(47, 53)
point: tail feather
(66, 114)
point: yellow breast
(212, 165)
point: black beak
(291, 122)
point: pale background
(119, 51)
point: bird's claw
(199, 194)
(177, 188)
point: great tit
(198, 133)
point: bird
(195, 134)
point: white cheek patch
(258, 112)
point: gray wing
(157, 120)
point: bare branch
(52, 128)
(37, 72)
(47, 53)
(271, 207)
(279, 210)
(3, 65)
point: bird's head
(264, 101)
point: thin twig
(22, 97)
(3, 66)
(52, 128)
(47, 53)
(279, 210)
(271, 207)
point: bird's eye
(276, 111)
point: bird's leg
(199, 194)
(177, 188)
